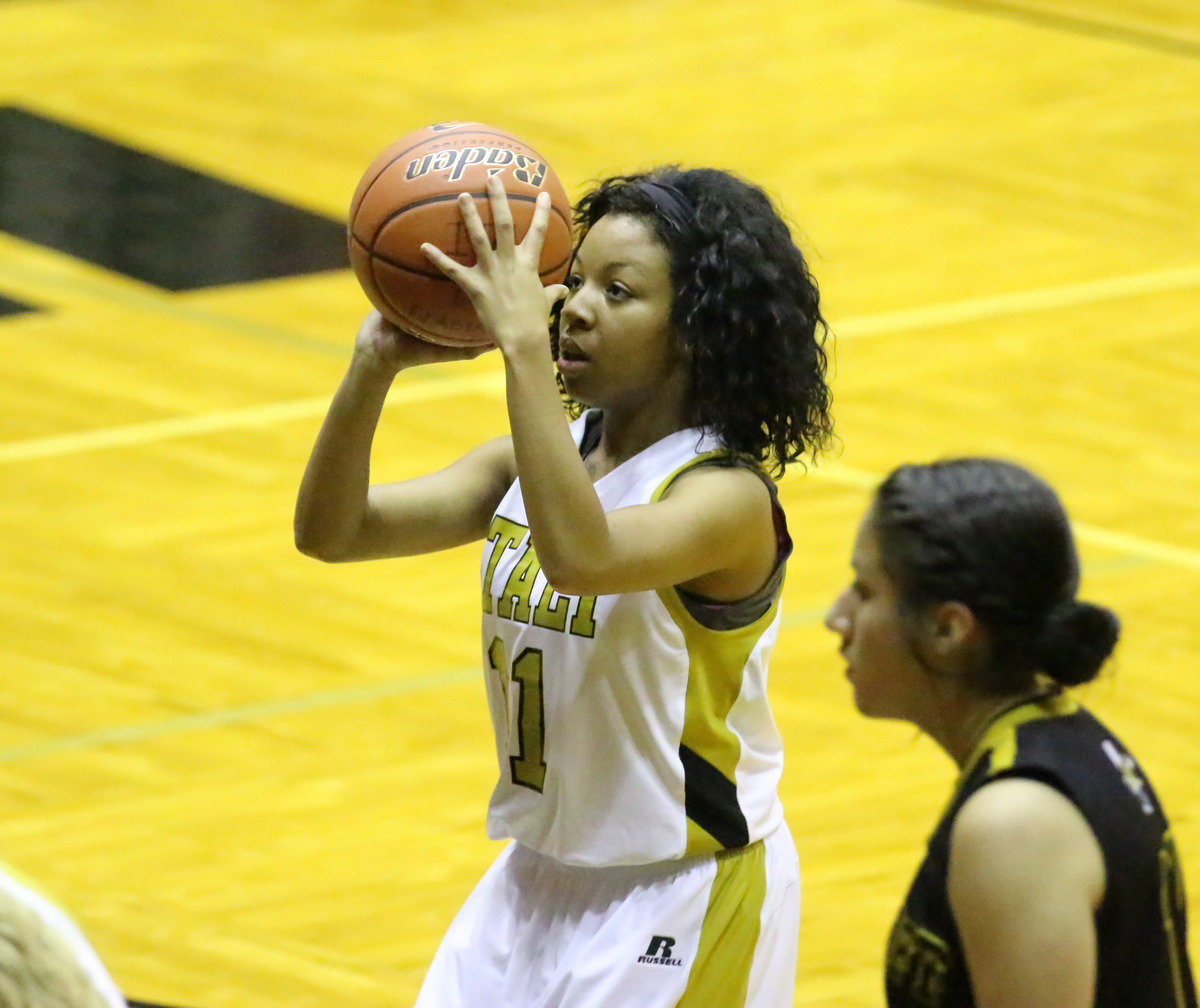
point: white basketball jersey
(627, 731)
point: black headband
(670, 202)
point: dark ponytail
(1076, 642)
(993, 536)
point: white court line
(1120, 542)
(151, 431)
(1020, 302)
(1148, 549)
(159, 430)
(973, 309)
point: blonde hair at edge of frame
(38, 968)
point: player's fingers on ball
(453, 269)
(480, 240)
(501, 212)
(536, 235)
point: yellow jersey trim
(716, 667)
(1000, 737)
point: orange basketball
(409, 195)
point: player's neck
(965, 720)
(625, 433)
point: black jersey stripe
(710, 800)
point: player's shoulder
(1017, 815)
(499, 449)
(724, 475)
(739, 492)
(1009, 803)
(1015, 833)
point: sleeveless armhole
(713, 614)
(717, 615)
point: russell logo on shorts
(658, 952)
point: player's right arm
(340, 516)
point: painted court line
(152, 431)
(202, 720)
(973, 309)
(137, 296)
(483, 384)
(1149, 549)
(970, 310)
(1020, 303)
(1109, 31)
(321, 700)
(1120, 542)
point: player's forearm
(567, 524)
(332, 501)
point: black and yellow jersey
(1141, 924)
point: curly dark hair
(746, 307)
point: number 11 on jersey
(526, 712)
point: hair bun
(1077, 640)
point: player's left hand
(504, 286)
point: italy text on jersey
(570, 614)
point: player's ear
(951, 630)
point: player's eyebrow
(618, 264)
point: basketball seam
(373, 255)
(442, 198)
(408, 324)
(383, 293)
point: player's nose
(577, 309)
(837, 618)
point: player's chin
(862, 698)
(575, 380)
(877, 708)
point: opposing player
(1052, 880)
(632, 565)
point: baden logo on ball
(408, 196)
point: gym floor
(259, 781)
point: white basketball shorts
(709, 932)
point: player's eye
(618, 292)
(573, 281)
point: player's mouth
(570, 357)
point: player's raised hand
(504, 285)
